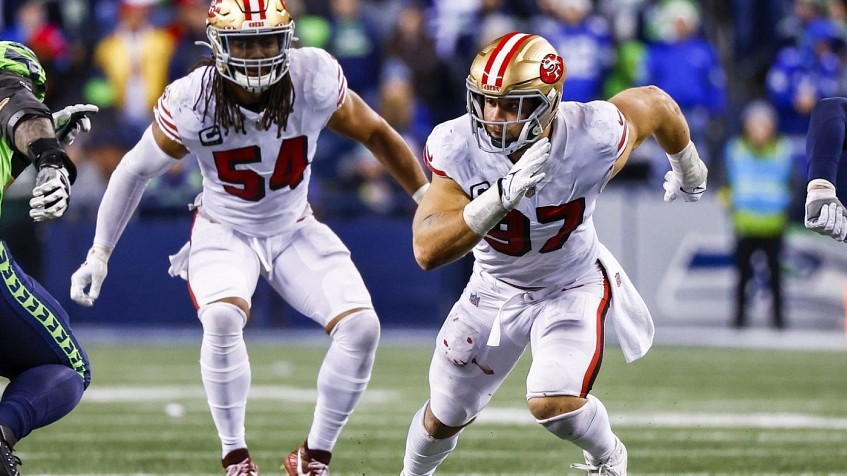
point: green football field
(681, 411)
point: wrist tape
(818, 184)
(485, 211)
(687, 165)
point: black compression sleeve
(18, 104)
(825, 139)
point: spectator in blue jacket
(354, 41)
(685, 65)
(804, 73)
(584, 42)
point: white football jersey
(549, 239)
(256, 182)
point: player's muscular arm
(651, 111)
(33, 129)
(440, 234)
(357, 121)
(23, 118)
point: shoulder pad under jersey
(323, 80)
(447, 146)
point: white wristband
(419, 193)
(687, 165)
(819, 183)
(485, 211)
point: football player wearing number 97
(515, 181)
(251, 115)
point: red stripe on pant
(597, 358)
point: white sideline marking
(169, 393)
(491, 415)
(511, 416)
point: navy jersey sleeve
(825, 141)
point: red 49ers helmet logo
(551, 68)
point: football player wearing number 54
(251, 115)
(515, 181)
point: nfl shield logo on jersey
(474, 299)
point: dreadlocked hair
(227, 113)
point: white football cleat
(614, 466)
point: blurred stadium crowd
(409, 59)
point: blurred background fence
(679, 255)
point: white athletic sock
(423, 452)
(343, 377)
(225, 370)
(588, 428)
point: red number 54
(291, 162)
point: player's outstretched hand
(825, 214)
(91, 274)
(51, 194)
(72, 120)
(675, 189)
(525, 174)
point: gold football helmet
(250, 20)
(516, 66)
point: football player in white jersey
(251, 116)
(515, 181)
